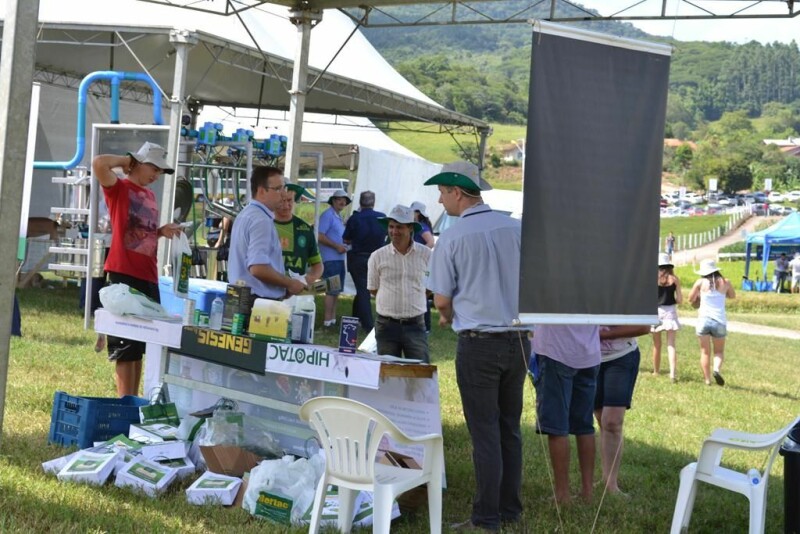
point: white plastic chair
(350, 433)
(707, 468)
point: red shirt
(134, 236)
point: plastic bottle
(215, 319)
(754, 476)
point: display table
(197, 367)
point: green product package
(274, 507)
(166, 413)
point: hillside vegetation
(483, 70)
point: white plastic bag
(124, 300)
(287, 477)
(182, 265)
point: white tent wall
(56, 138)
(396, 179)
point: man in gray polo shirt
(474, 275)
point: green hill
(483, 70)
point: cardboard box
(213, 488)
(397, 459)
(229, 459)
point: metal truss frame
(379, 13)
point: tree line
(483, 71)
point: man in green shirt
(298, 238)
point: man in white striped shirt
(396, 276)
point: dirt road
(693, 256)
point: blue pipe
(115, 100)
(83, 90)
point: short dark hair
(260, 177)
(367, 199)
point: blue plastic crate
(83, 420)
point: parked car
(774, 196)
(792, 196)
(694, 198)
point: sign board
(712, 184)
(322, 363)
(682, 192)
(767, 184)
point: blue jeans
(564, 398)
(405, 338)
(362, 304)
(491, 373)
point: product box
(237, 300)
(155, 433)
(52, 467)
(269, 320)
(212, 488)
(228, 459)
(168, 450)
(348, 335)
(146, 475)
(184, 466)
(303, 327)
(90, 467)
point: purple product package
(347, 335)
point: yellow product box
(270, 320)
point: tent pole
(183, 41)
(304, 20)
(16, 78)
(484, 133)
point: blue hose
(83, 90)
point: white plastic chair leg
(347, 500)
(758, 511)
(382, 510)
(685, 500)
(319, 504)
(435, 502)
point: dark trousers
(405, 339)
(362, 305)
(491, 373)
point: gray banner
(592, 181)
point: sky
(737, 31)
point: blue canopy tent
(784, 232)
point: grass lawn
(691, 225)
(663, 431)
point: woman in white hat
(669, 296)
(709, 294)
(425, 234)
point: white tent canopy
(225, 67)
